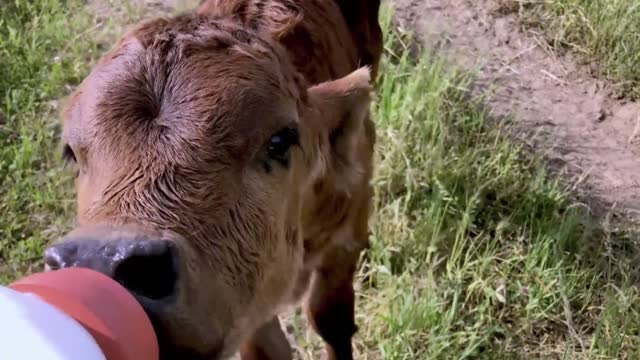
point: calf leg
(330, 309)
(331, 300)
(267, 343)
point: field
(478, 251)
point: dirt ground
(556, 106)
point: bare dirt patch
(558, 108)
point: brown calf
(223, 165)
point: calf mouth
(151, 269)
(151, 265)
(166, 343)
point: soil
(557, 107)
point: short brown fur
(168, 133)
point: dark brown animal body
(224, 161)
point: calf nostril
(149, 275)
(52, 260)
(59, 256)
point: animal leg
(330, 310)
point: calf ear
(343, 107)
(277, 18)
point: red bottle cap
(106, 309)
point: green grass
(475, 254)
(38, 57)
(605, 32)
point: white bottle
(30, 328)
(73, 314)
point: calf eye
(68, 155)
(280, 143)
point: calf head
(195, 144)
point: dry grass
(604, 32)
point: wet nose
(145, 267)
